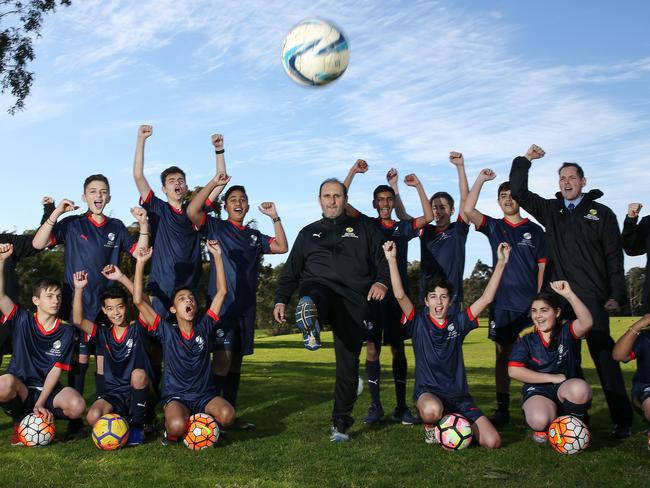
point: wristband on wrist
(219, 151)
(631, 329)
(276, 220)
(50, 222)
(144, 233)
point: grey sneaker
(430, 434)
(375, 414)
(307, 322)
(337, 436)
(406, 417)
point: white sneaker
(430, 434)
(337, 436)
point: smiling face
(48, 300)
(384, 203)
(571, 184)
(442, 211)
(332, 200)
(96, 195)
(115, 310)
(544, 316)
(438, 302)
(508, 205)
(184, 306)
(237, 206)
(175, 187)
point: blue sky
(487, 78)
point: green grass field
(287, 392)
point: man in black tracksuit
(636, 242)
(338, 264)
(584, 247)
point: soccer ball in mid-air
(568, 435)
(202, 432)
(110, 432)
(35, 431)
(453, 432)
(315, 53)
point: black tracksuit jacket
(584, 247)
(636, 242)
(344, 254)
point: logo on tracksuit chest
(349, 232)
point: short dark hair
(114, 292)
(333, 180)
(170, 171)
(439, 281)
(234, 188)
(578, 168)
(44, 284)
(97, 177)
(442, 194)
(178, 290)
(382, 189)
(505, 186)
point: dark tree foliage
(20, 24)
(634, 280)
(474, 285)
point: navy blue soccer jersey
(400, 232)
(242, 249)
(438, 349)
(562, 356)
(90, 246)
(176, 261)
(641, 352)
(187, 373)
(518, 285)
(122, 355)
(443, 252)
(36, 350)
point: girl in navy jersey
(547, 361)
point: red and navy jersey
(562, 355)
(90, 246)
(518, 285)
(188, 372)
(176, 261)
(641, 352)
(443, 252)
(36, 350)
(122, 355)
(242, 248)
(438, 349)
(400, 232)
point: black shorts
(462, 404)
(236, 334)
(385, 318)
(505, 325)
(196, 405)
(34, 393)
(120, 401)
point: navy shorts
(505, 325)
(196, 405)
(384, 319)
(235, 334)
(462, 404)
(34, 393)
(120, 401)
(547, 390)
(640, 393)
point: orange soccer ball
(202, 431)
(568, 435)
(35, 431)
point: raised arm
(222, 286)
(503, 253)
(633, 235)
(458, 160)
(400, 210)
(43, 234)
(474, 215)
(6, 303)
(113, 273)
(625, 344)
(584, 321)
(144, 132)
(529, 201)
(48, 208)
(80, 279)
(279, 245)
(140, 215)
(195, 210)
(217, 142)
(143, 306)
(427, 217)
(390, 251)
(359, 166)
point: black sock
(576, 409)
(219, 383)
(99, 384)
(15, 408)
(157, 377)
(231, 387)
(373, 371)
(503, 402)
(77, 376)
(399, 376)
(139, 400)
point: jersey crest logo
(253, 240)
(111, 240)
(452, 333)
(349, 232)
(55, 350)
(56, 345)
(527, 236)
(220, 333)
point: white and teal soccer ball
(315, 53)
